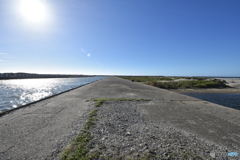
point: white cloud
(1, 60)
(88, 54)
(83, 50)
(1, 53)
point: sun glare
(34, 10)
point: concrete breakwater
(170, 125)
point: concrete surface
(33, 132)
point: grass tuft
(78, 149)
(195, 107)
(182, 102)
(93, 113)
(100, 101)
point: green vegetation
(78, 149)
(194, 78)
(182, 102)
(179, 82)
(195, 107)
(100, 101)
(82, 147)
(189, 84)
(145, 79)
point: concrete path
(33, 132)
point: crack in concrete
(7, 149)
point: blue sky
(126, 37)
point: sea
(18, 92)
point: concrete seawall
(41, 130)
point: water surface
(226, 99)
(18, 92)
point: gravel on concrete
(124, 131)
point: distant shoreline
(208, 90)
(175, 83)
(19, 75)
(232, 82)
(11, 78)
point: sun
(34, 10)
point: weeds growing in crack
(78, 149)
(100, 101)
